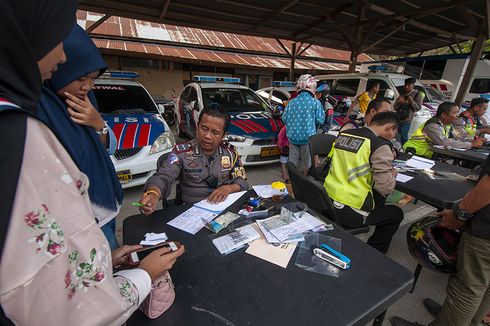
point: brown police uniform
(198, 174)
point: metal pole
(293, 58)
(470, 69)
(353, 60)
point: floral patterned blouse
(56, 267)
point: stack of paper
(276, 229)
(196, 217)
(420, 163)
(236, 239)
(266, 191)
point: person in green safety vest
(438, 131)
(362, 175)
(470, 123)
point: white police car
(252, 130)
(278, 94)
(142, 133)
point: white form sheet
(420, 162)
(218, 208)
(192, 220)
(403, 178)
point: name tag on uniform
(349, 143)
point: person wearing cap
(321, 94)
(302, 116)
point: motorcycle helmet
(277, 111)
(306, 83)
(323, 88)
(434, 247)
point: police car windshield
(234, 99)
(123, 99)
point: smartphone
(138, 255)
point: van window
(480, 86)
(346, 87)
(382, 84)
(433, 69)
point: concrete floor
(430, 284)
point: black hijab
(28, 30)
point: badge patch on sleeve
(225, 162)
(238, 172)
(172, 158)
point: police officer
(374, 107)
(469, 124)
(205, 167)
(361, 176)
(438, 131)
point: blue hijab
(82, 143)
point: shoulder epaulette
(184, 147)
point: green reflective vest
(350, 179)
(420, 142)
(471, 124)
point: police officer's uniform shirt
(198, 174)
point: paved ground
(410, 306)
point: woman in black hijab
(55, 264)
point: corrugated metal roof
(214, 56)
(131, 28)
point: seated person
(470, 124)
(362, 175)
(374, 107)
(438, 131)
(205, 166)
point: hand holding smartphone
(138, 255)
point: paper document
(459, 149)
(236, 239)
(265, 191)
(420, 162)
(273, 240)
(279, 255)
(218, 208)
(152, 239)
(403, 178)
(192, 220)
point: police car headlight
(163, 142)
(234, 138)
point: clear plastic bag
(311, 263)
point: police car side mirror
(161, 108)
(389, 94)
(194, 105)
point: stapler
(332, 256)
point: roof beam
(283, 47)
(386, 36)
(468, 17)
(305, 48)
(102, 19)
(164, 9)
(422, 26)
(279, 11)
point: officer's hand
(478, 142)
(449, 220)
(150, 202)
(219, 194)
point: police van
(443, 72)
(279, 93)
(252, 130)
(141, 132)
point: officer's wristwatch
(104, 130)
(462, 214)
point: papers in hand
(421, 163)
(236, 239)
(403, 178)
(193, 219)
(218, 208)
(152, 239)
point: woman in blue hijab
(66, 109)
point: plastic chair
(320, 145)
(313, 194)
(178, 191)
